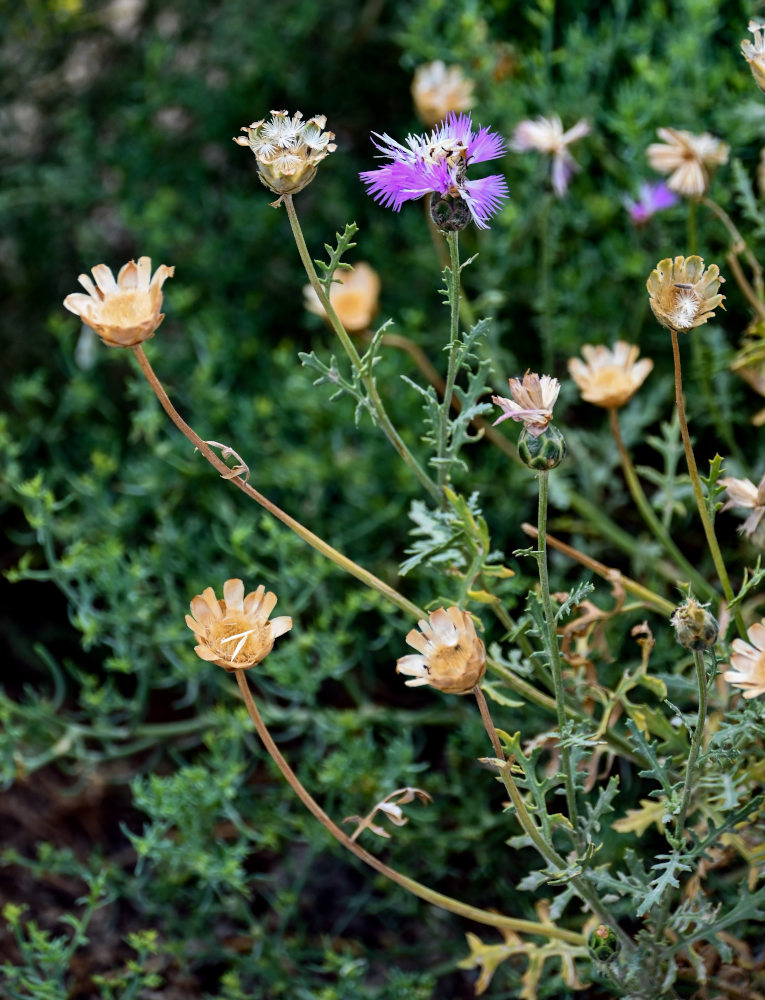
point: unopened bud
(542, 451)
(603, 944)
(695, 628)
(449, 214)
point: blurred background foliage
(122, 752)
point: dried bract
(450, 656)
(235, 632)
(754, 53)
(682, 293)
(287, 149)
(609, 378)
(124, 312)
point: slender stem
(613, 576)
(636, 490)
(698, 491)
(452, 240)
(367, 578)
(696, 741)
(692, 228)
(739, 246)
(376, 404)
(552, 642)
(416, 888)
(488, 725)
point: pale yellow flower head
(748, 662)
(287, 149)
(532, 401)
(688, 159)
(682, 294)
(438, 89)
(124, 312)
(743, 493)
(450, 656)
(235, 632)
(754, 53)
(354, 296)
(609, 377)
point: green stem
(649, 516)
(376, 404)
(367, 578)
(698, 735)
(698, 491)
(531, 829)
(416, 888)
(545, 284)
(452, 240)
(552, 642)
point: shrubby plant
(626, 839)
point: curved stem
(738, 246)
(367, 578)
(552, 642)
(698, 491)
(636, 490)
(376, 404)
(416, 888)
(452, 240)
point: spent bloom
(609, 378)
(743, 493)
(354, 296)
(687, 158)
(438, 89)
(695, 627)
(652, 198)
(748, 662)
(235, 632)
(754, 53)
(124, 312)
(532, 402)
(546, 135)
(436, 164)
(450, 656)
(287, 149)
(682, 294)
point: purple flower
(653, 198)
(437, 163)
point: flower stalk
(376, 404)
(361, 574)
(416, 888)
(452, 239)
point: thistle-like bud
(695, 628)
(449, 214)
(287, 149)
(542, 451)
(603, 944)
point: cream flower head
(124, 312)
(609, 378)
(748, 662)
(754, 53)
(288, 150)
(682, 294)
(743, 493)
(546, 135)
(438, 89)
(532, 402)
(450, 656)
(235, 632)
(687, 158)
(354, 296)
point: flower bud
(695, 628)
(603, 944)
(542, 451)
(449, 214)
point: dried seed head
(450, 656)
(695, 628)
(682, 294)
